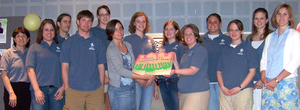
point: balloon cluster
(32, 22)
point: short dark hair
(238, 23)
(40, 31)
(85, 13)
(60, 17)
(111, 27)
(195, 30)
(21, 30)
(132, 27)
(215, 15)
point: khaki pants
(90, 100)
(194, 101)
(240, 101)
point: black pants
(22, 92)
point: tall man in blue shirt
(82, 60)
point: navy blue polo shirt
(101, 34)
(176, 47)
(140, 45)
(196, 56)
(214, 48)
(61, 39)
(44, 59)
(259, 51)
(13, 62)
(83, 56)
(234, 63)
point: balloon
(298, 27)
(32, 22)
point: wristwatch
(241, 87)
(276, 80)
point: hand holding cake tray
(154, 64)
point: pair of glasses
(188, 34)
(102, 15)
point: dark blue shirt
(140, 45)
(259, 51)
(44, 59)
(83, 56)
(214, 48)
(61, 39)
(234, 63)
(199, 82)
(101, 34)
(176, 47)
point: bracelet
(276, 80)
(241, 87)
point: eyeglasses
(234, 30)
(102, 15)
(188, 34)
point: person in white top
(280, 61)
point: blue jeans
(50, 102)
(214, 97)
(144, 97)
(122, 98)
(169, 93)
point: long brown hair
(178, 36)
(39, 38)
(132, 27)
(267, 31)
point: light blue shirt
(275, 53)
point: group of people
(92, 69)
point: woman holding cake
(120, 60)
(172, 39)
(141, 44)
(193, 84)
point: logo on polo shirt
(222, 42)
(175, 47)
(92, 47)
(241, 52)
(57, 49)
(191, 53)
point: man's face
(64, 24)
(84, 24)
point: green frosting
(153, 67)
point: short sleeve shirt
(140, 45)
(176, 47)
(13, 62)
(196, 56)
(214, 48)
(44, 59)
(234, 63)
(83, 56)
(101, 34)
